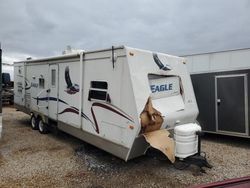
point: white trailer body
(98, 96)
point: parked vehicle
(7, 89)
(103, 96)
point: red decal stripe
(111, 109)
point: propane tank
(186, 140)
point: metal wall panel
(204, 88)
(201, 63)
(218, 61)
(204, 91)
(242, 56)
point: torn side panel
(151, 119)
(160, 140)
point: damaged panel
(151, 119)
(160, 140)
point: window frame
(41, 86)
(53, 78)
(96, 88)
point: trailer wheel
(33, 122)
(42, 127)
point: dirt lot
(29, 159)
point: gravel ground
(29, 159)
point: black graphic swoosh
(159, 63)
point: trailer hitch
(198, 159)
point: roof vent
(69, 50)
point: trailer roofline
(49, 58)
(67, 56)
(105, 49)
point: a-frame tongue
(160, 140)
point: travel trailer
(111, 98)
(222, 86)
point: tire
(42, 127)
(33, 122)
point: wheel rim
(41, 125)
(33, 122)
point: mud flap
(160, 140)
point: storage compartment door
(231, 104)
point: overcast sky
(41, 28)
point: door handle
(218, 101)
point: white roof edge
(67, 56)
(174, 56)
(49, 58)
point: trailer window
(41, 83)
(99, 85)
(53, 77)
(99, 95)
(98, 91)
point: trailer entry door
(231, 104)
(53, 91)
